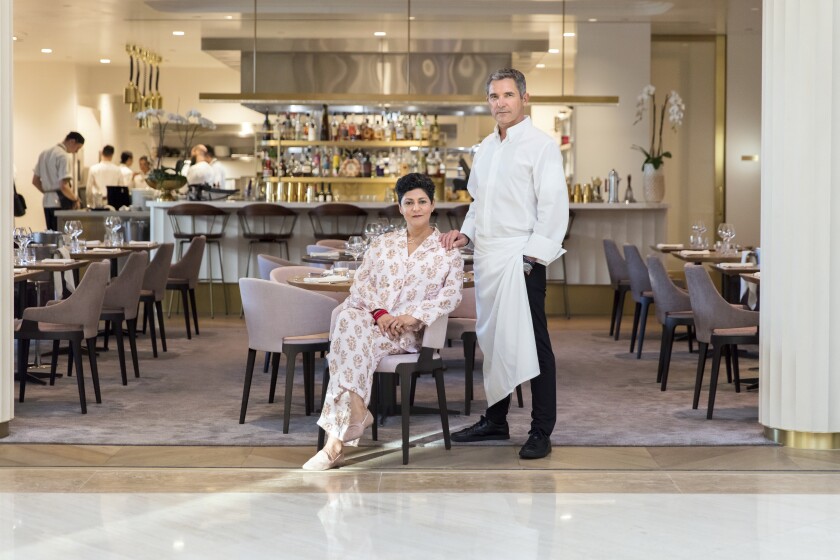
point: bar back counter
(641, 224)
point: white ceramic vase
(653, 183)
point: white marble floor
(351, 524)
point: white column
(800, 223)
(6, 223)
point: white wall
(743, 135)
(612, 59)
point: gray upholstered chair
(642, 293)
(267, 263)
(720, 324)
(183, 277)
(288, 320)
(620, 280)
(154, 288)
(673, 309)
(462, 325)
(122, 298)
(73, 319)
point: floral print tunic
(425, 285)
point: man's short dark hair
(504, 74)
(108, 150)
(125, 156)
(210, 151)
(76, 137)
(144, 158)
(413, 181)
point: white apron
(504, 328)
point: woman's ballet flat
(322, 462)
(355, 430)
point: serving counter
(641, 224)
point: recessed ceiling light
(178, 33)
(540, 65)
(411, 18)
(593, 20)
(228, 17)
(553, 51)
(105, 60)
(46, 51)
(568, 34)
(379, 33)
(14, 37)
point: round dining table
(344, 286)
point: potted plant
(653, 178)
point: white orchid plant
(676, 111)
(187, 128)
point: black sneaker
(483, 430)
(537, 446)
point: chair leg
(132, 343)
(414, 378)
(246, 390)
(194, 311)
(290, 382)
(728, 363)
(275, 366)
(662, 343)
(23, 365)
(444, 415)
(469, 365)
(159, 308)
(373, 406)
(636, 314)
(620, 312)
(519, 396)
(267, 360)
(642, 326)
(322, 435)
(308, 381)
(701, 365)
(736, 370)
(405, 386)
(186, 312)
(716, 352)
(94, 369)
(145, 317)
(117, 327)
(222, 277)
(54, 360)
(565, 288)
(690, 331)
(80, 378)
(147, 310)
(666, 359)
(614, 312)
(210, 279)
(106, 335)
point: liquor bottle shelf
(348, 143)
(334, 180)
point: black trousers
(543, 386)
(49, 216)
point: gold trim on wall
(803, 440)
(720, 129)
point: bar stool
(193, 220)
(563, 282)
(337, 221)
(266, 223)
(620, 280)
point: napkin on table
(737, 265)
(93, 243)
(669, 245)
(105, 250)
(57, 261)
(688, 253)
(326, 254)
(331, 279)
(141, 243)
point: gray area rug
(191, 396)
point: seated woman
(406, 281)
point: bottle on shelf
(312, 130)
(342, 129)
(329, 196)
(266, 128)
(316, 163)
(334, 128)
(434, 131)
(418, 127)
(352, 130)
(325, 125)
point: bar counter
(641, 224)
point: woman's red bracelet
(378, 313)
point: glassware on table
(726, 232)
(76, 232)
(113, 236)
(341, 268)
(372, 229)
(23, 237)
(355, 246)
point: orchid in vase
(673, 103)
(186, 127)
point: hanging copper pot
(129, 95)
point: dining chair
(337, 221)
(183, 277)
(339, 244)
(620, 281)
(461, 325)
(673, 309)
(122, 298)
(267, 263)
(282, 319)
(263, 223)
(74, 319)
(152, 292)
(719, 324)
(405, 367)
(642, 293)
(195, 219)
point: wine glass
(726, 232)
(77, 232)
(372, 229)
(70, 227)
(355, 246)
(23, 237)
(117, 224)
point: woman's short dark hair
(413, 181)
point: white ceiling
(83, 31)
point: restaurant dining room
(302, 279)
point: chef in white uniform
(100, 176)
(517, 223)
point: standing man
(139, 179)
(200, 171)
(126, 159)
(100, 175)
(52, 177)
(221, 176)
(517, 223)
